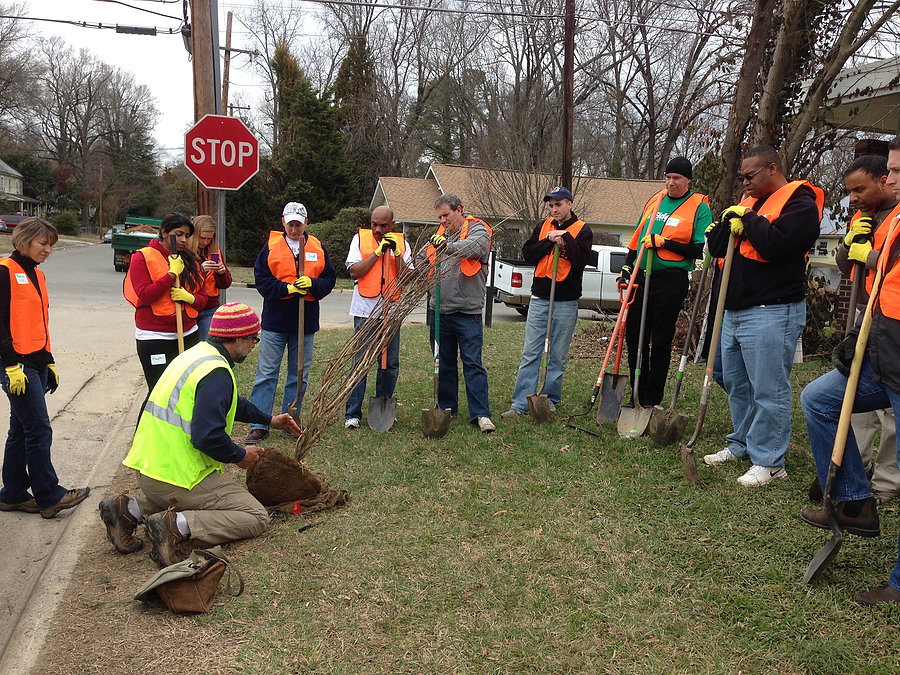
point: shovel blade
(382, 413)
(435, 422)
(539, 407)
(633, 421)
(666, 426)
(823, 558)
(612, 391)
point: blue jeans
(758, 345)
(461, 333)
(204, 318)
(271, 352)
(565, 314)
(26, 460)
(385, 380)
(821, 401)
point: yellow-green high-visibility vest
(162, 447)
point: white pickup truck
(512, 281)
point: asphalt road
(93, 415)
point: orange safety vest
(469, 266)
(370, 284)
(283, 265)
(212, 291)
(29, 321)
(158, 266)
(771, 209)
(678, 227)
(544, 267)
(877, 242)
(889, 297)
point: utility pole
(101, 202)
(568, 94)
(207, 97)
(227, 71)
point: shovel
(633, 421)
(382, 409)
(601, 381)
(301, 317)
(538, 403)
(613, 389)
(667, 426)
(688, 461)
(436, 422)
(829, 551)
(179, 321)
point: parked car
(108, 235)
(10, 220)
(512, 281)
(3, 227)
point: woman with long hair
(158, 278)
(30, 483)
(205, 243)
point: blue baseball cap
(559, 192)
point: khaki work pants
(865, 425)
(217, 509)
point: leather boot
(864, 524)
(876, 596)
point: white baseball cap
(294, 211)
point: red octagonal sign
(221, 152)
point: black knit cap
(680, 165)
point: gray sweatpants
(217, 509)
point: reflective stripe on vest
(469, 266)
(29, 319)
(370, 283)
(283, 264)
(772, 207)
(544, 267)
(877, 242)
(162, 447)
(157, 266)
(889, 296)
(679, 226)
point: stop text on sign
(224, 152)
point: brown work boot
(162, 531)
(255, 436)
(28, 506)
(120, 524)
(864, 524)
(69, 500)
(877, 596)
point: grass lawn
(539, 549)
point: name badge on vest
(21, 278)
(311, 256)
(671, 223)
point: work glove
(303, 283)
(654, 241)
(17, 379)
(382, 245)
(52, 379)
(393, 244)
(860, 231)
(176, 265)
(732, 215)
(292, 289)
(438, 240)
(181, 295)
(842, 356)
(624, 276)
(859, 252)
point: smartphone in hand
(214, 257)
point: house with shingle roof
(512, 201)
(11, 182)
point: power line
(140, 9)
(143, 30)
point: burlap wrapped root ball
(281, 483)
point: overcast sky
(159, 62)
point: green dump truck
(139, 232)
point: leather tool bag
(189, 586)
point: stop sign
(221, 152)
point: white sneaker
(719, 458)
(512, 412)
(486, 426)
(352, 423)
(760, 475)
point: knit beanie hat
(234, 320)
(680, 165)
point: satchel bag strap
(202, 555)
